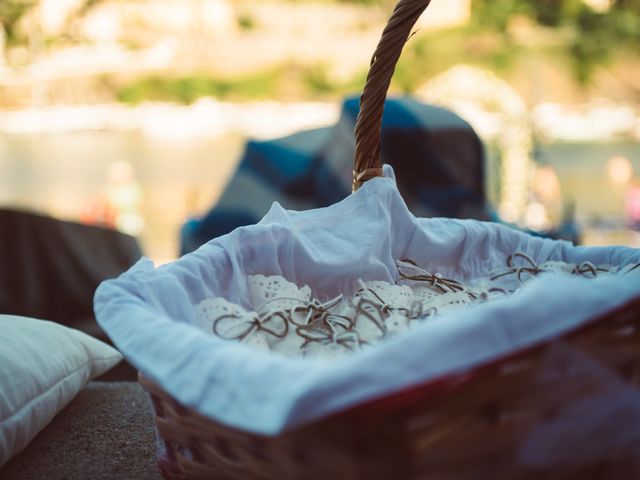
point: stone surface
(106, 432)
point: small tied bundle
(288, 320)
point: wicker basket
(465, 426)
(462, 427)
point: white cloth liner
(149, 312)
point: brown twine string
(585, 269)
(256, 323)
(279, 299)
(444, 285)
(367, 300)
(368, 296)
(418, 312)
(320, 323)
(324, 326)
(343, 321)
(588, 267)
(320, 313)
(314, 309)
(327, 337)
(532, 270)
(381, 310)
(632, 268)
(499, 290)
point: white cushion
(43, 365)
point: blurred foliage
(430, 53)
(497, 38)
(10, 12)
(588, 38)
(187, 89)
(286, 81)
(602, 35)
(495, 14)
(317, 79)
(357, 2)
(595, 37)
(246, 21)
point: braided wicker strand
(369, 122)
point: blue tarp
(437, 157)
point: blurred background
(133, 114)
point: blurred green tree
(595, 36)
(495, 14)
(10, 12)
(555, 13)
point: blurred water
(581, 168)
(62, 174)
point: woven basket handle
(383, 63)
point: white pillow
(43, 365)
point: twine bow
(518, 270)
(321, 312)
(335, 334)
(380, 308)
(369, 298)
(321, 324)
(330, 328)
(248, 326)
(316, 313)
(409, 270)
(585, 269)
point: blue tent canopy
(437, 157)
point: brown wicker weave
(466, 426)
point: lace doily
(287, 319)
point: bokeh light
(619, 170)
